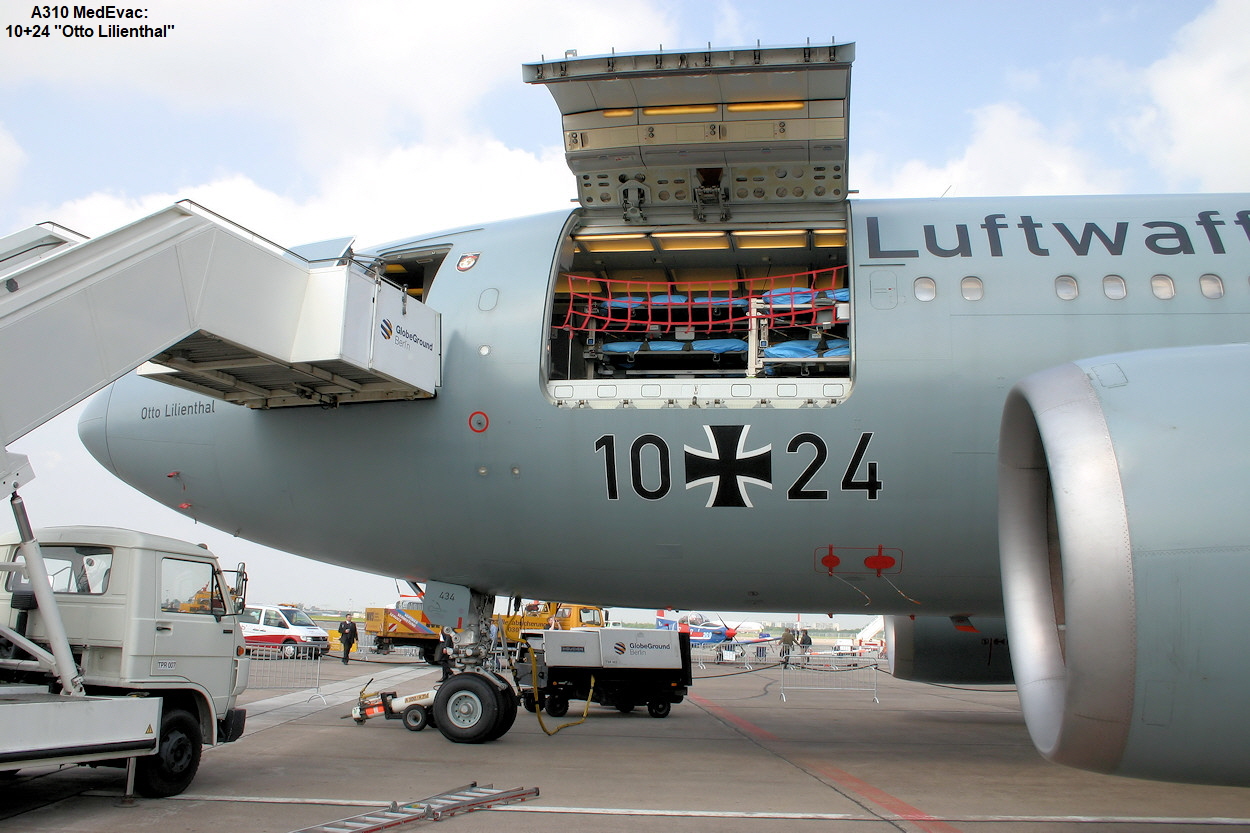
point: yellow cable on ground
(538, 710)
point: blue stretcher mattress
(705, 345)
(808, 349)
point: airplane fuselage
(873, 489)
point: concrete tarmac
(733, 757)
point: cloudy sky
(310, 119)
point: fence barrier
(829, 672)
(293, 667)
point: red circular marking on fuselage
(478, 422)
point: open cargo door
(666, 137)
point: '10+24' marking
(729, 467)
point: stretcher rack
(435, 808)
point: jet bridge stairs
(201, 303)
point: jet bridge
(217, 310)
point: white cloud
(378, 196)
(1010, 153)
(341, 73)
(1195, 126)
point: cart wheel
(415, 718)
(360, 721)
(527, 700)
(557, 705)
(659, 708)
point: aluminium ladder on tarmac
(460, 800)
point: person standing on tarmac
(787, 645)
(348, 636)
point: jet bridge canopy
(225, 313)
(720, 133)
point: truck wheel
(172, 768)
(466, 708)
(557, 705)
(429, 654)
(659, 708)
(625, 706)
(415, 718)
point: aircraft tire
(466, 709)
(659, 708)
(507, 713)
(557, 705)
(177, 758)
(415, 718)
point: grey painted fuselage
(882, 499)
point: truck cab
(537, 616)
(144, 615)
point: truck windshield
(79, 569)
(298, 618)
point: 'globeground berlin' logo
(387, 329)
(620, 648)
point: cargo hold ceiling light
(765, 106)
(613, 242)
(770, 239)
(829, 238)
(682, 110)
(686, 241)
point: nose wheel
(474, 708)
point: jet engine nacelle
(933, 649)
(1125, 536)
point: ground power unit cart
(621, 668)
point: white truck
(117, 647)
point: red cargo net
(794, 300)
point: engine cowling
(1125, 539)
(933, 649)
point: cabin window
(1212, 287)
(1163, 287)
(1066, 288)
(925, 289)
(1113, 287)
(972, 288)
(686, 316)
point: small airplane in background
(705, 630)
